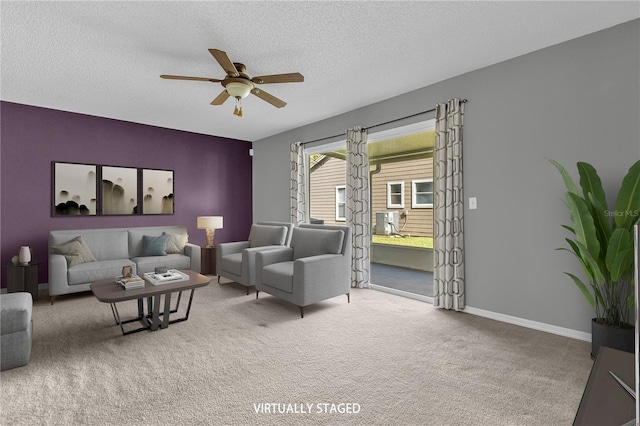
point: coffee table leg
(155, 320)
(167, 310)
(113, 311)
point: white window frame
(414, 192)
(391, 205)
(338, 202)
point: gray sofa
(317, 266)
(16, 327)
(101, 254)
(236, 260)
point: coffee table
(108, 291)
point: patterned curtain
(298, 194)
(448, 226)
(358, 212)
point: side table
(23, 278)
(208, 260)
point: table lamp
(210, 223)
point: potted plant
(603, 243)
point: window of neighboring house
(422, 193)
(395, 195)
(341, 203)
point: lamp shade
(209, 222)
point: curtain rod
(382, 124)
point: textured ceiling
(105, 58)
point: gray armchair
(316, 267)
(236, 260)
(16, 326)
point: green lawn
(424, 242)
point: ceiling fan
(238, 84)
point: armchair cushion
(232, 263)
(308, 242)
(279, 275)
(267, 235)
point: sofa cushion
(176, 242)
(170, 261)
(100, 270)
(232, 263)
(15, 314)
(308, 242)
(154, 246)
(279, 275)
(75, 251)
(267, 235)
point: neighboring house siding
(332, 173)
(322, 190)
(420, 220)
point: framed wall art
(74, 189)
(119, 191)
(157, 191)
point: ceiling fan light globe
(238, 90)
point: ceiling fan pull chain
(238, 108)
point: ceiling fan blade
(268, 97)
(219, 100)
(182, 77)
(294, 77)
(224, 62)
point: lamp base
(210, 234)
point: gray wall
(576, 101)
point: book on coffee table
(171, 276)
(130, 283)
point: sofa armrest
(249, 260)
(319, 277)
(194, 253)
(269, 257)
(58, 281)
(224, 249)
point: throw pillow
(75, 251)
(267, 235)
(154, 246)
(176, 242)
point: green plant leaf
(591, 183)
(583, 223)
(601, 220)
(584, 289)
(576, 253)
(622, 265)
(628, 201)
(619, 255)
(568, 182)
(569, 228)
(592, 263)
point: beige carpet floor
(397, 361)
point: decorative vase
(25, 255)
(621, 338)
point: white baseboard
(535, 325)
(561, 331)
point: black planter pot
(621, 338)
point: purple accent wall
(212, 175)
